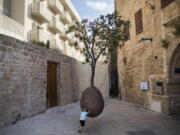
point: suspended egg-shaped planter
(92, 99)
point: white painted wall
(101, 77)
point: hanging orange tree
(100, 37)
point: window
(138, 21)
(7, 7)
(164, 3)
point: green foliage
(177, 30)
(41, 43)
(48, 44)
(165, 43)
(100, 36)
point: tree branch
(86, 47)
(101, 52)
(92, 48)
(85, 42)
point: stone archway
(173, 88)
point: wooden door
(51, 84)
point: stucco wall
(101, 77)
(23, 79)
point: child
(83, 116)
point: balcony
(53, 44)
(66, 18)
(40, 11)
(55, 25)
(56, 6)
(56, 44)
(71, 38)
(63, 35)
(38, 34)
(71, 42)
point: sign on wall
(144, 85)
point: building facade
(149, 61)
(40, 20)
(47, 21)
(34, 78)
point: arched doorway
(173, 89)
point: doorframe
(57, 83)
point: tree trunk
(93, 70)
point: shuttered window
(164, 3)
(138, 21)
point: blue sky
(92, 8)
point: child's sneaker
(80, 129)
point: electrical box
(159, 88)
(144, 86)
(177, 70)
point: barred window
(139, 21)
(165, 3)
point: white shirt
(83, 115)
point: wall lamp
(150, 39)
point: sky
(93, 8)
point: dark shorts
(82, 122)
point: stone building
(149, 61)
(34, 78)
(48, 20)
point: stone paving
(118, 118)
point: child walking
(83, 116)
